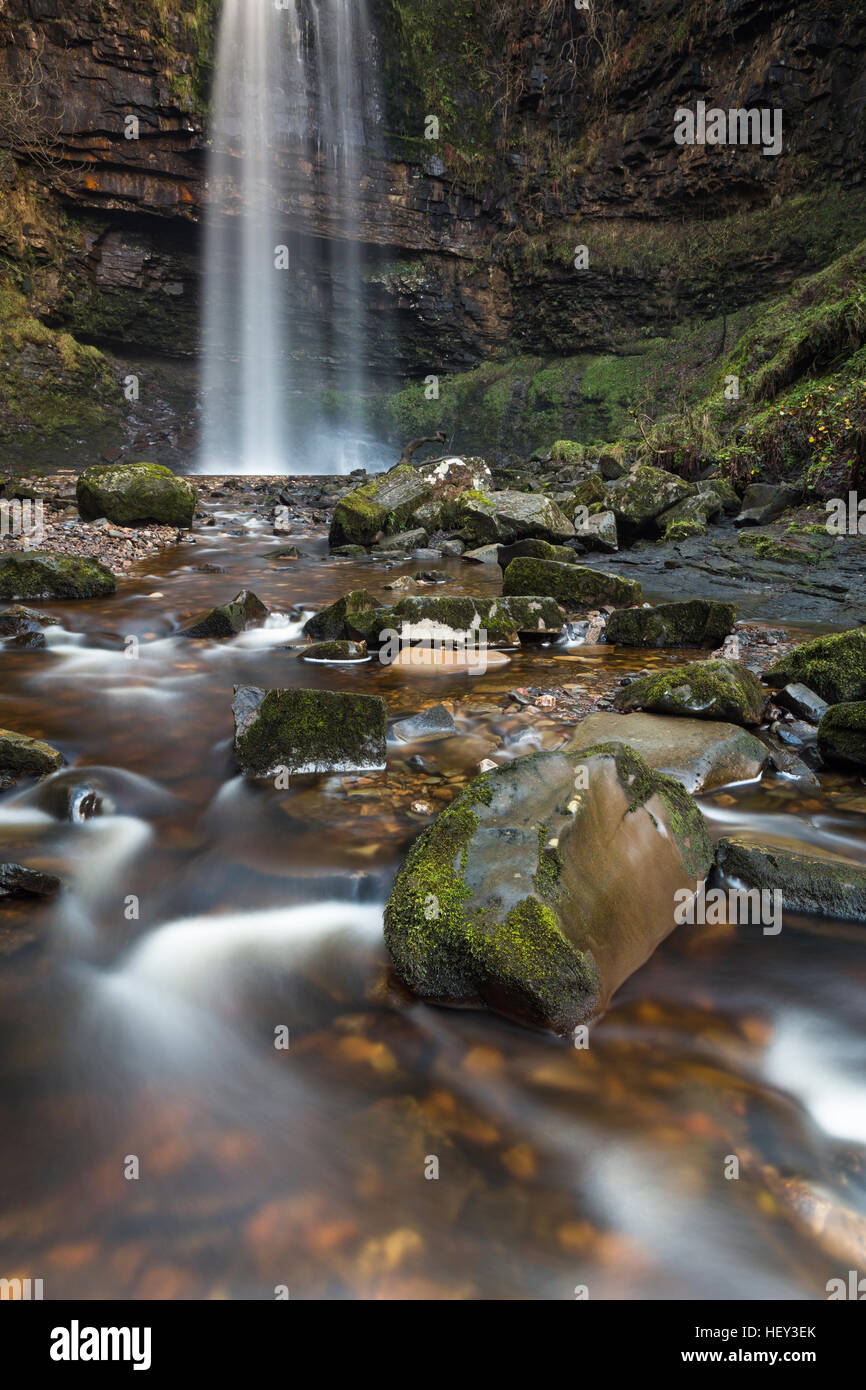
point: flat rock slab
(823, 887)
(700, 753)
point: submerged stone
(433, 723)
(544, 885)
(834, 667)
(823, 887)
(699, 622)
(132, 493)
(722, 689)
(308, 731)
(576, 587)
(28, 574)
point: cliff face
(556, 131)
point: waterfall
(294, 104)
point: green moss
(834, 667)
(309, 729)
(842, 734)
(719, 689)
(132, 493)
(576, 587)
(27, 574)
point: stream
(156, 1143)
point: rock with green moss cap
(509, 516)
(641, 496)
(576, 587)
(698, 622)
(725, 493)
(132, 493)
(824, 887)
(592, 489)
(723, 689)
(22, 756)
(308, 731)
(339, 651)
(29, 574)
(834, 667)
(333, 623)
(689, 517)
(842, 734)
(459, 617)
(534, 550)
(382, 506)
(228, 619)
(544, 885)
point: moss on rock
(28, 574)
(576, 587)
(725, 690)
(306, 731)
(699, 622)
(22, 756)
(842, 734)
(132, 493)
(834, 667)
(824, 887)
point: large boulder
(510, 516)
(29, 574)
(131, 493)
(842, 734)
(823, 887)
(545, 884)
(598, 532)
(457, 617)
(576, 587)
(698, 622)
(450, 476)
(688, 517)
(306, 731)
(382, 506)
(22, 756)
(764, 502)
(834, 667)
(228, 619)
(699, 753)
(533, 550)
(641, 496)
(722, 689)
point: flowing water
(295, 104)
(202, 913)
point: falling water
(294, 102)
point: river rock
(228, 619)
(576, 587)
(534, 549)
(698, 622)
(384, 505)
(132, 493)
(340, 650)
(308, 731)
(510, 516)
(763, 502)
(17, 881)
(403, 541)
(29, 574)
(689, 517)
(725, 493)
(802, 701)
(598, 532)
(21, 756)
(721, 689)
(484, 554)
(842, 734)
(700, 753)
(333, 622)
(641, 496)
(545, 884)
(446, 617)
(834, 667)
(435, 722)
(824, 887)
(22, 622)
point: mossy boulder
(308, 731)
(22, 756)
(834, 667)
(689, 517)
(724, 492)
(487, 621)
(699, 622)
(842, 734)
(823, 887)
(544, 885)
(333, 623)
(34, 574)
(228, 619)
(763, 502)
(382, 506)
(723, 689)
(509, 516)
(534, 550)
(402, 541)
(576, 587)
(641, 496)
(132, 493)
(592, 489)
